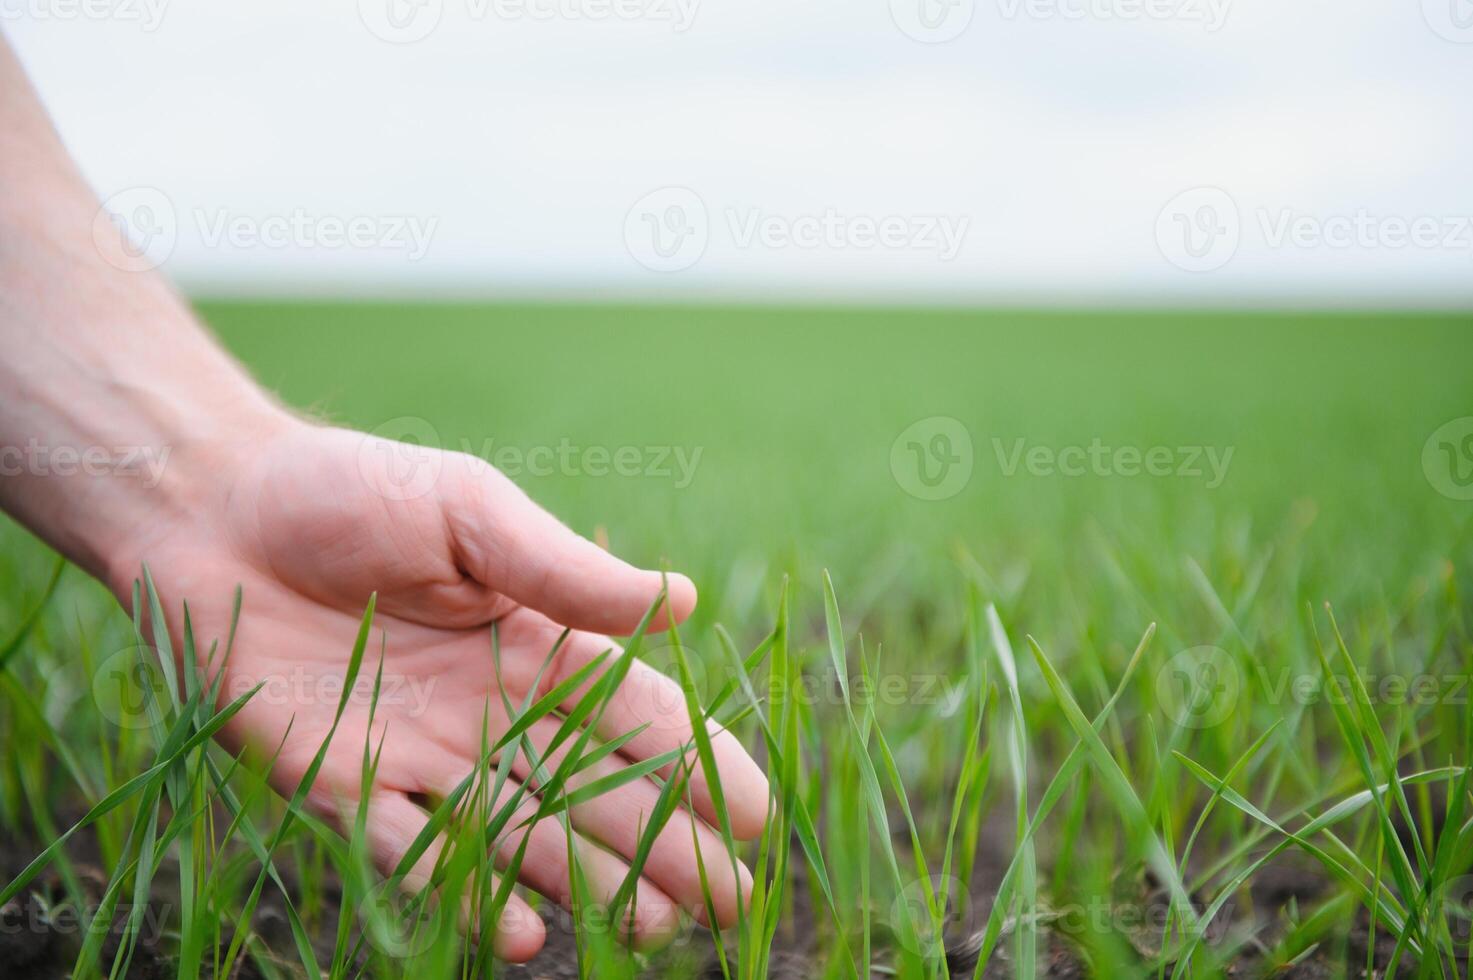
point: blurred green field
(777, 442)
(794, 412)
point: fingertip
(656, 918)
(520, 933)
(680, 597)
(679, 601)
(748, 824)
(744, 883)
(747, 791)
(728, 912)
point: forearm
(115, 407)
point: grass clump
(1104, 723)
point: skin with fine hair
(102, 361)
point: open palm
(318, 519)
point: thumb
(512, 546)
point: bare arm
(114, 404)
(308, 521)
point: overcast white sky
(1313, 151)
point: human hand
(309, 522)
(104, 361)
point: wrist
(180, 484)
(105, 454)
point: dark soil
(41, 933)
(39, 940)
